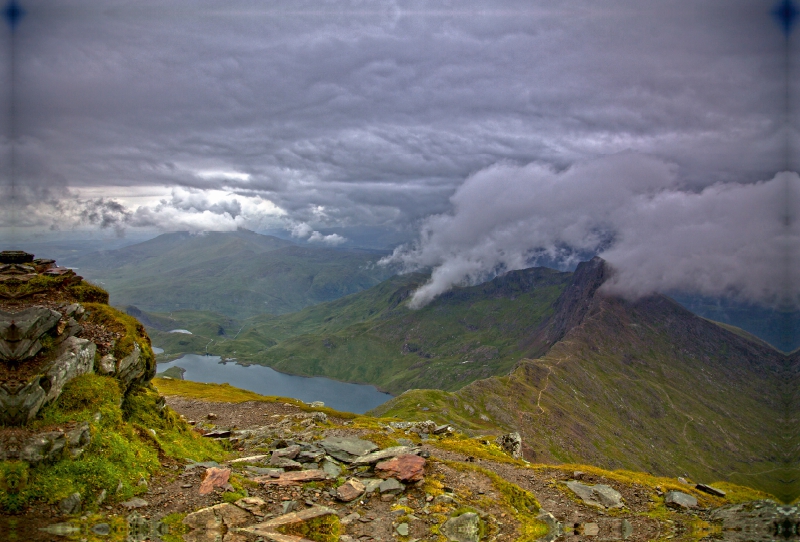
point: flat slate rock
(294, 477)
(284, 463)
(597, 495)
(347, 449)
(251, 459)
(710, 490)
(391, 486)
(680, 500)
(387, 453)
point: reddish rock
(406, 468)
(214, 478)
(350, 490)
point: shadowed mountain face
(238, 274)
(643, 385)
(780, 328)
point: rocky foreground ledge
(302, 474)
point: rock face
(45, 446)
(21, 400)
(511, 444)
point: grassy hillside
(238, 274)
(467, 334)
(645, 386)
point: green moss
(85, 292)
(173, 436)
(233, 496)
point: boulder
(214, 477)
(350, 490)
(347, 449)
(597, 495)
(680, 500)
(406, 468)
(70, 505)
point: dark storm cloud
(372, 115)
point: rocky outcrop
(45, 446)
(571, 307)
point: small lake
(345, 396)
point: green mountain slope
(238, 274)
(466, 334)
(644, 385)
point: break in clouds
(726, 239)
(186, 209)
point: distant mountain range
(239, 274)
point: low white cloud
(331, 240)
(731, 239)
(303, 230)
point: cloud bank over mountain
(631, 209)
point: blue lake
(344, 396)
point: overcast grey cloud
(322, 118)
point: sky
(470, 138)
